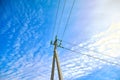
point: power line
(92, 56)
(56, 16)
(59, 24)
(68, 19)
(90, 50)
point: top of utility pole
(56, 43)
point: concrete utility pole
(55, 57)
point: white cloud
(109, 41)
(105, 45)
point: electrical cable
(56, 16)
(92, 56)
(68, 19)
(59, 24)
(90, 50)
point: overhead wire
(92, 56)
(68, 19)
(56, 16)
(59, 24)
(89, 50)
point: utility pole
(55, 58)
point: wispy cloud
(74, 65)
(104, 45)
(28, 61)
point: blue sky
(26, 28)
